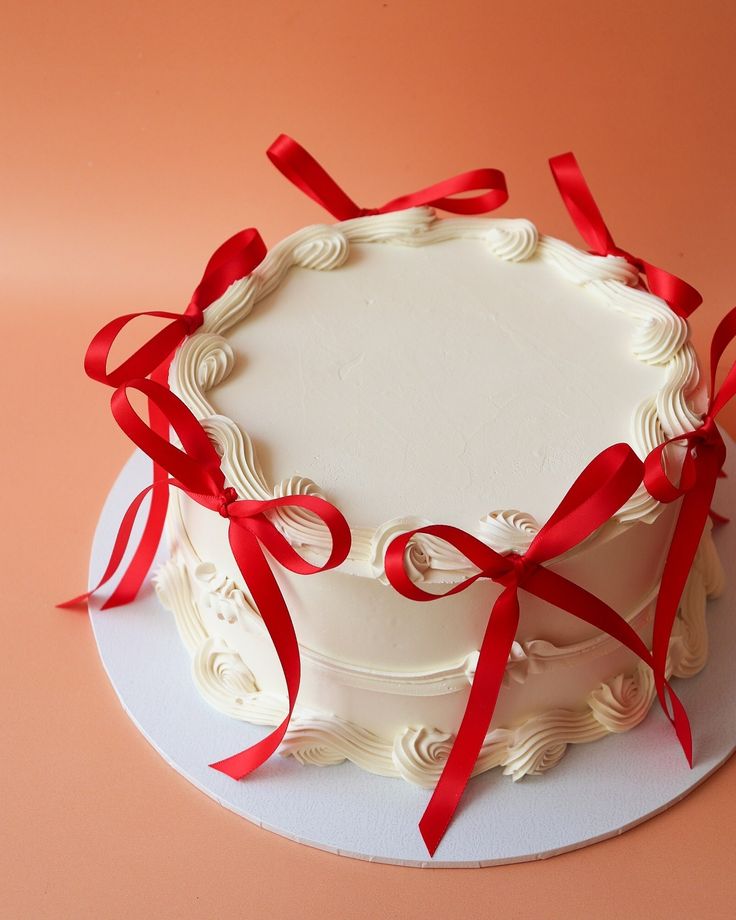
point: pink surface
(133, 139)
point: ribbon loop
(522, 568)
(235, 259)
(681, 297)
(303, 171)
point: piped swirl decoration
(605, 484)
(303, 171)
(682, 298)
(223, 677)
(420, 754)
(624, 701)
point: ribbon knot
(708, 433)
(224, 500)
(518, 568)
(303, 171)
(192, 319)
(681, 297)
(633, 260)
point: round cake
(414, 370)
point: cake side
(214, 618)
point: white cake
(415, 370)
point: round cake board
(597, 791)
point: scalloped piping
(660, 338)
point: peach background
(133, 144)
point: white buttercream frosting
(623, 702)
(657, 339)
(420, 754)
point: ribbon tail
(689, 528)
(130, 584)
(118, 551)
(557, 590)
(580, 203)
(140, 565)
(681, 297)
(270, 604)
(492, 660)
(303, 171)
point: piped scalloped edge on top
(659, 338)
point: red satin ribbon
(701, 468)
(301, 169)
(234, 259)
(681, 297)
(195, 469)
(601, 489)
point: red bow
(301, 169)
(600, 490)
(704, 456)
(235, 259)
(196, 471)
(682, 298)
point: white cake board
(597, 791)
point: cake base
(597, 791)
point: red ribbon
(195, 469)
(235, 259)
(678, 294)
(705, 453)
(301, 169)
(600, 490)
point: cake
(455, 410)
(416, 370)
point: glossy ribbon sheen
(601, 489)
(195, 469)
(705, 453)
(235, 259)
(678, 294)
(301, 169)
